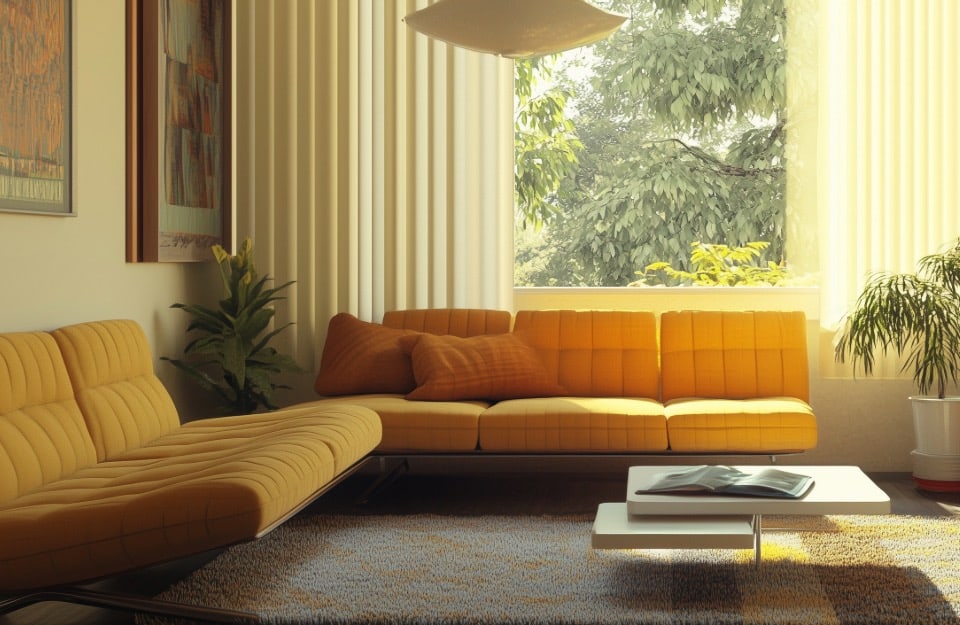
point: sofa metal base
(394, 464)
(126, 603)
(387, 476)
(401, 458)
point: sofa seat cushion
(421, 426)
(204, 486)
(574, 424)
(773, 424)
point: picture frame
(179, 120)
(36, 107)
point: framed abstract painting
(179, 113)
(36, 167)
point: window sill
(659, 299)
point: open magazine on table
(724, 480)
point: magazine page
(725, 480)
(704, 477)
(771, 482)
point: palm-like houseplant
(231, 355)
(916, 316)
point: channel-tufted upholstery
(159, 490)
(596, 353)
(441, 426)
(606, 360)
(461, 322)
(729, 383)
(736, 381)
(111, 369)
(734, 354)
(42, 434)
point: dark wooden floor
(467, 494)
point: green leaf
(229, 347)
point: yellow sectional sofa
(463, 381)
(98, 476)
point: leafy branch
(718, 166)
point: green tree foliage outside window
(673, 133)
(545, 142)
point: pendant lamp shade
(515, 28)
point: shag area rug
(430, 569)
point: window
(665, 143)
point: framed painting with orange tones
(35, 107)
(179, 126)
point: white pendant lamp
(515, 28)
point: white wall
(62, 270)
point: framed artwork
(35, 107)
(178, 129)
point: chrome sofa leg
(126, 603)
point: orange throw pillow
(363, 357)
(491, 366)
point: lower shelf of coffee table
(615, 529)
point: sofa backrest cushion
(462, 322)
(734, 354)
(596, 353)
(122, 401)
(42, 434)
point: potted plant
(230, 354)
(917, 316)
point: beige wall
(62, 270)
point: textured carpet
(428, 569)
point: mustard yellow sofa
(98, 476)
(474, 381)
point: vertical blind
(374, 166)
(889, 141)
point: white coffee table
(672, 521)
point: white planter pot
(936, 425)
